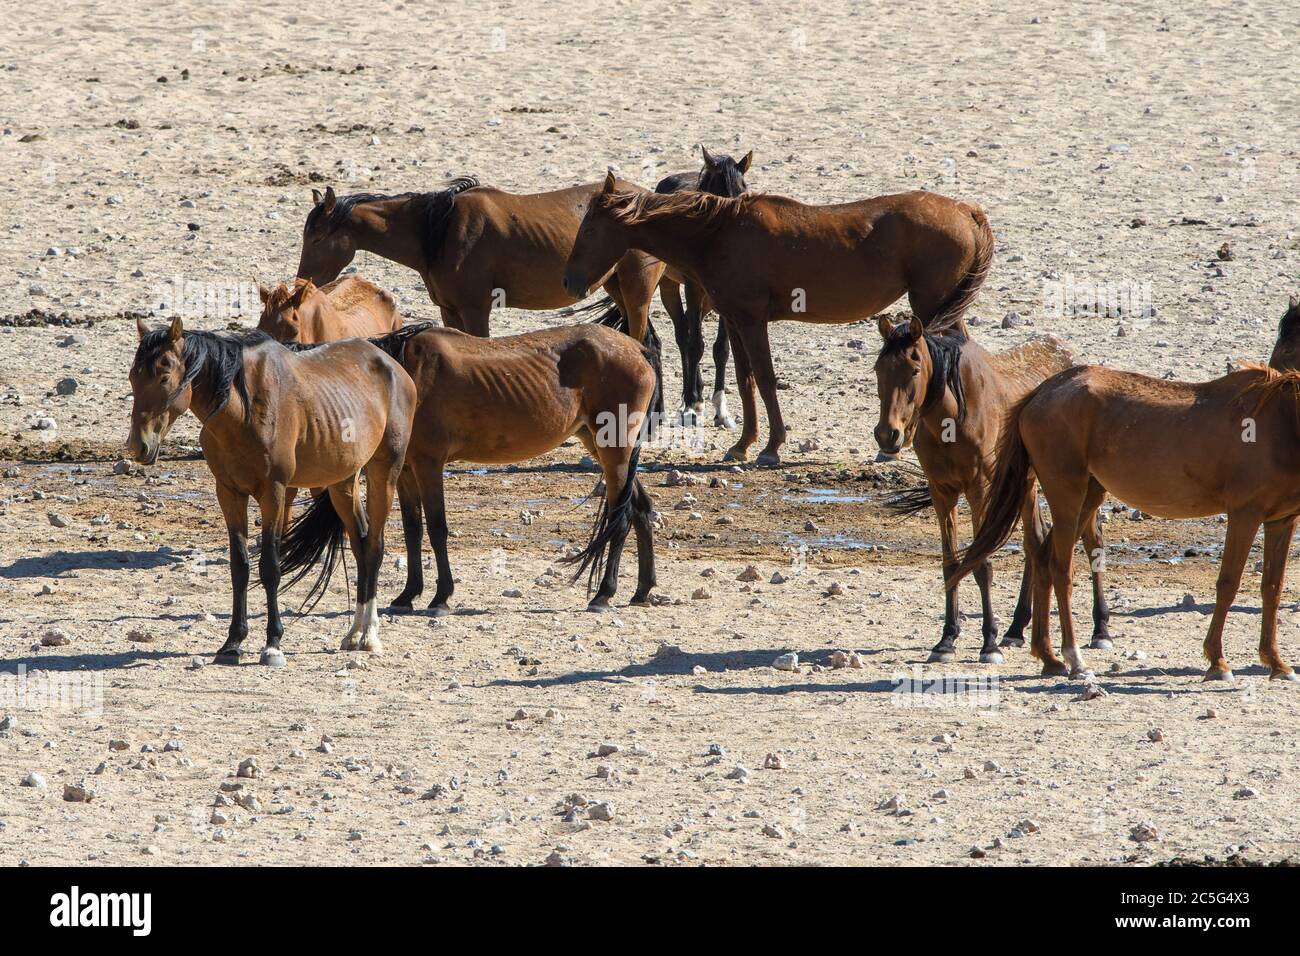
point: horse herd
(333, 385)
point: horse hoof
(1012, 642)
(1055, 669)
(439, 610)
(1102, 644)
(599, 605)
(1080, 673)
(402, 604)
(640, 600)
(1215, 674)
(735, 453)
(272, 657)
(990, 657)
(1287, 675)
(724, 421)
(349, 643)
(768, 459)
(941, 657)
(371, 645)
(227, 658)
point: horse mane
(1290, 324)
(1268, 384)
(632, 208)
(212, 361)
(394, 343)
(945, 363)
(433, 207)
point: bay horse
(505, 400)
(1286, 350)
(351, 307)
(763, 258)
(722, 176)
(948, 397)
(1172, 449)
(274, 419)
(476, 248)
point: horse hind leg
(1277, 544)
(274, 507)
(643, 524)
(670, 296)
(1096, 553)
(347, 504)
(1242, 529)
(722, 417)
(408, 496)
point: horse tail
(437, 214)
(909, 502)
(611, 523)
(316, 535)
(1012, 481)
(652, 349)
(963, 294)
(394, 343)
(609, 315)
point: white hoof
(371, 644)
(724, 421)
(1072, 657)
(721, 417)
(272, 657)
(991, 657)
(941, 657)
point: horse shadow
(60, 563)
(1208, 608)
(87, 663)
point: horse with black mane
(945, 395)
(275, 419)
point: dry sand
(1107, 146)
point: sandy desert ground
(1150, 155)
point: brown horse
(948, 397)
(501, 401)
(351, 307)
(1173, 449)
(275, 419)
(764, 258)
(476, 248)
(722, 176)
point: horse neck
(939, 397)
(390, 228)
(677, 240)
(203, 401)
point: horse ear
(609, 182)
(916, 328)
(330, 199)
(708, 157)
(303, 290)
(1295, 303)
(140, 328)
(263, 293)
(176, 330)
(885, 326)
(316, 197)
(744, 164)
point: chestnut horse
(501, 401)
(763, 258)
(476, 248)
(274, 419)
(346, 308)
(1173, 449)
(948, 397)
(722, 176)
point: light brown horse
(1172, 449)
(948, 398)
(476, 248)
(501, 401)
(274, 419)
(351, 307)
(764, 258)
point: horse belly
(1161, 485)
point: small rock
(33, 780)
(787, 662)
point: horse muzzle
(889, 439)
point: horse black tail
(316, 535)
(610, 524)
(910, 501)
(609, 314)
(653, 350)
(394, 343)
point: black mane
(945, 364)
(213, 362)
(433, 208)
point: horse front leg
(1277, 546)
(234, 508)
(670, 296)
(945, 508)
(721, 352)
(695, 346)
(1236, 549)
(273, 506)
(433, 497)
(758, 349)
